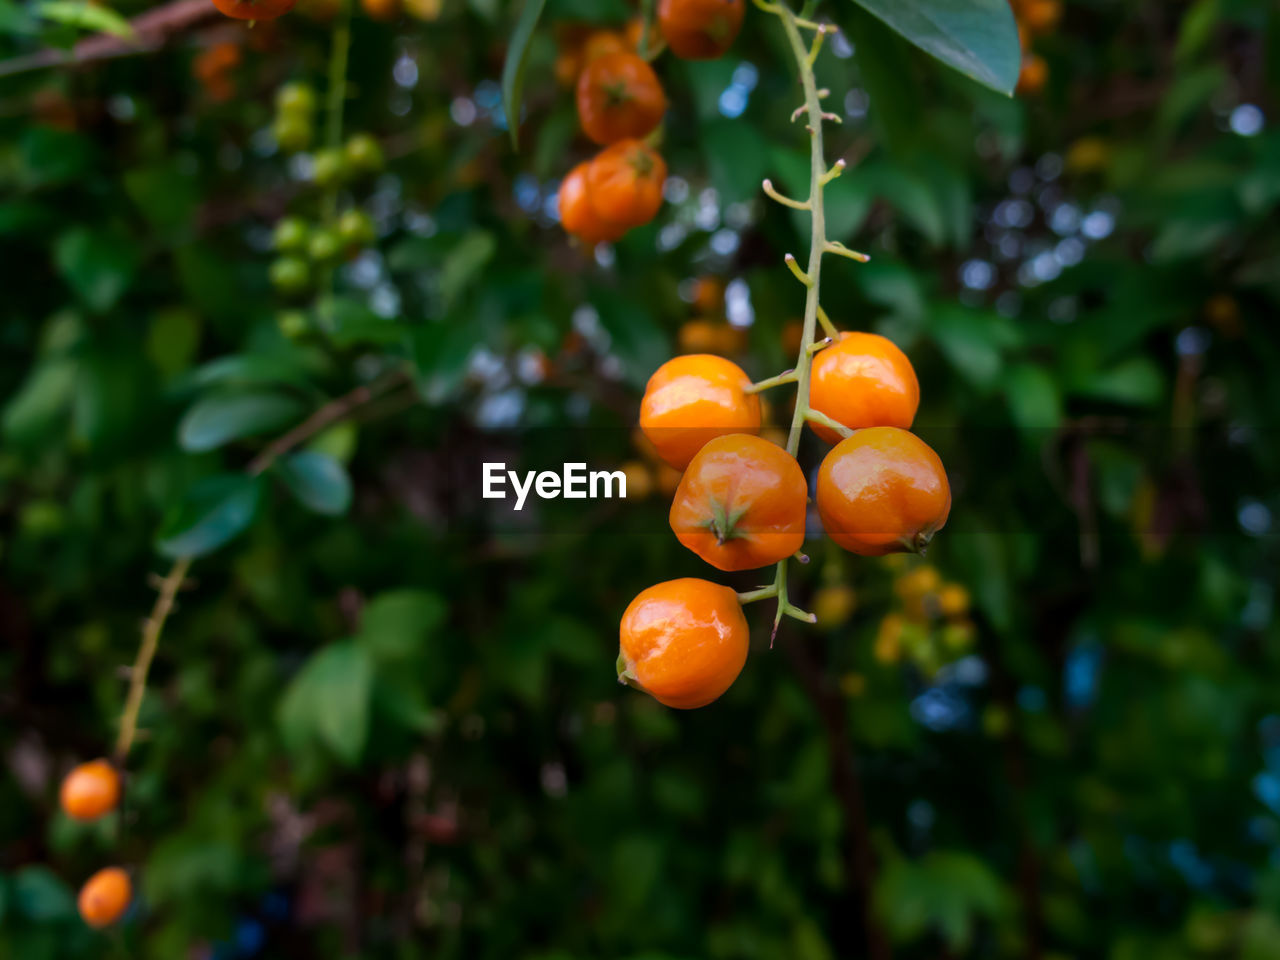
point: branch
(151, 30)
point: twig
(150, 29)
(151, 631)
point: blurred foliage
(383, 720)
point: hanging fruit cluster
(1035, 18)
(88, 793)
(742, 502)
(929, 626)
(621, 103)
(306, 246)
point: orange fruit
(624, 184)
(741, 503)
(640, 480)
(577, 215)
(602, 43)
(882, 490)
(863, 380)
(90, 791)
(254, 9)
(633, 32)
(693, 399)
(1041, 16)
(105, 897)
(619, 98)
(700, 29)
(683, 642)
(381, 9)
(699, 336)
(1034, 75)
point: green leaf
(329, 701)
(1034, 399)
(977, 37)
(318, 481)
(86, 16)
(98, 264)
(216, 510)
(50, 156)
(396, 624)
(39, 895)
(513, 68)
(222, 417)
(971, 341)
(172, 340)
(45, 397)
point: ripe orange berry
(1034, 75)
(105, 897)
(683, 642)
(1041, 16)
(708, 295)
(882, 490)
(602, 43)
(381, 9)
(624, 184)
(254, 9)
(619, 97)
(741, 503)
(640, 481)
(698, 336)
(953, 601)
(90, 791)
(577, 215)
(863, 380)
(700, 29)
(633, 32)
(692, 399)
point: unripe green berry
(290, 275)
(355, 229)
(293, 324)
(330, 168)
(323, 246)
(364, 154)
(296, 99)
(292, 133)
(290, 235)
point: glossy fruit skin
(578, 216)
(863, 380)
(254, 9)
(700, 29)
(619, 98)
(693, 399)
(882, 490)
(624, 184)
(90, 791)
(105, 897)
(601, 43)
(684, 641)
(741, 503)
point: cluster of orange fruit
(214, 67)
(708, 332)
(742, 501)
(620, 103)
(1035, 18)
(90, 792)
(930, 626)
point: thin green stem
(787, 376)
(335, 99)
(819, 176)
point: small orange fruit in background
(602, 43)
(577, 215)
(700, 29)
(863, 380)
(254, 9)
(381, 9)
(683, 642)
(883, 490)
(624, 184)
(90, 790)
(619, 97)
(1040, 16)
(1034, 75)
(692, 399)
(105, 897)
(213, 68)
(741, 503)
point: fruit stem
(787, 376)
(336, 96)
(819, 176)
